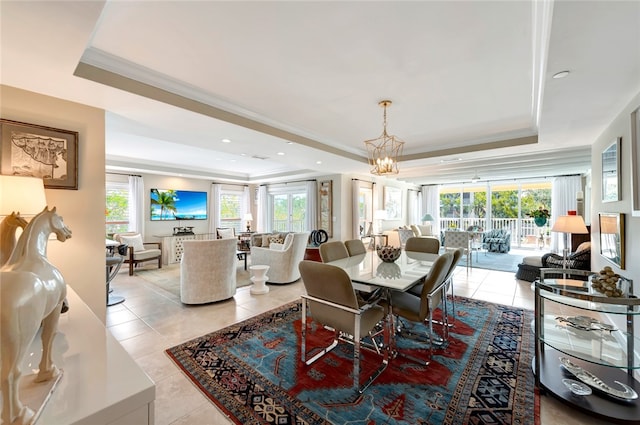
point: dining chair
(355, 247)
(420, 309)
(331, 251)
(331, 301)
(422, 244)
(455, 239)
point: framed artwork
(38, 151)
(635, 163)
(612, 237)
(393, 202)
(325, 207)
(611, 172)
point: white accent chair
(139, 251)
(282, 260)
(208, 271)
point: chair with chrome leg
(420, 309)
(332, 303)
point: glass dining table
(369, 273)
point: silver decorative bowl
(388, 253)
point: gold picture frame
(325, 206)
(612, 237)
(38, 151)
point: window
(231, 210)
(288, 208)
(117, 207)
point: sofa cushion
(416, 230)
(134, 241)
(225, 233)
(266, 240)
(533, 260)
(425, 229)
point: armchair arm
(156, 244)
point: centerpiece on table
(388, 253)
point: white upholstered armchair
(282, 260)
(208, 271)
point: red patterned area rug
(252, 371)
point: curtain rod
(294, 181)
(123, 174)
(502, 180)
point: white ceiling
(471, 82)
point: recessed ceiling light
(450, 160)
(289, 143)
(560, 74)
(318, 162)
(281, 153)
(243, 154)
(226, 141)
(233, 160)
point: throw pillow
(583, 246)
(266, 240)
(275, 239)
(135, 241)
(425, 230)
(416, 230)
(226, 234)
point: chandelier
(383, 152)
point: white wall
(81, 259)
(620, 127)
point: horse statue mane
(31, 294)
(8, 234)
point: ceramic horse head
(31, 295)
(8, 228)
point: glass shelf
(606, 348)
(579, 294)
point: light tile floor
(152, 320)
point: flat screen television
(170, 204)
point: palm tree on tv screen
(165, 199)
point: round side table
(259, 278)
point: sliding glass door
(289, 211)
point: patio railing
(527, 234)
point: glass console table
(576, 347)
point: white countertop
(101, 382)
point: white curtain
(136, 205)
(431, 205)
(412, 207)
(263, 210)
(214, 207)
(245, 206)
(312, 205)
(563, 199)
(355, 213)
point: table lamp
(248, 218)
(427, 217)
(568, 224)
(378, 216)
(18, 194)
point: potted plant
(540, 216)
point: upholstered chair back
(208, 270)
(331, 251)
(283, 263)
(423, 244)
(355, 247)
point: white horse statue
(31, 295)
(8, 234)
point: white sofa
(208, 270)
(282, 259)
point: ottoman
(529, 269)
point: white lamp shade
(248, 217)
(570, 224)
(21, 194)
